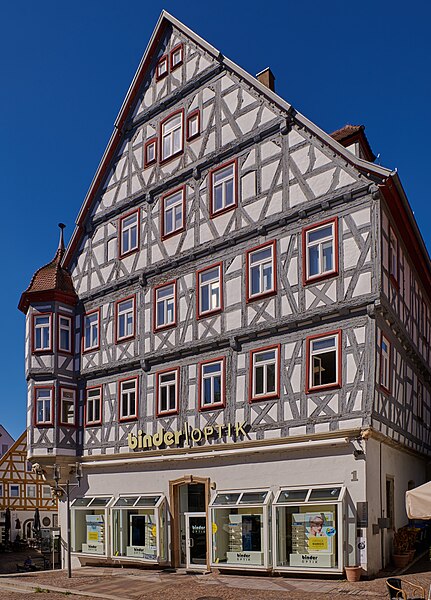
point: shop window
(167, 391)
(193, 125)
(162, 67)
(385, 364)
(139, 527)
(91, 337)
(14, 491)
(165, 306)
(64, 334)
(125, 319)
(393, 258)
(212, 384)
(93, 406)
(240, 529)
(323, 361)
(31, 491)
(261, 271)
(129, 233)
(42, 332)
(89, 525)
(173, 212)
(67, 407)
(209, 296)
(223, 188)
(128, 398)
(150, 152)
(43, 405)
(171, 136)
(176, 57)
(264, 373)
(320, 251)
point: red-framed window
(129, 233)
(323, 361)
(64, 334)
(212, 383)
(42, 332)
(394, 259)
(264, 380)
(150, 152)
(320, 251)
(167, 392)
(223, 188)
(165, 306)
(261, 265)
(193, 128)
(209, 290)
(173, 212)
(162, 67)
(128, 398)
(91, 331)
(93, 406)
(385, 364)
(44, 406)
(125, 319)
(176, 57)
(172, 135)
(67, 412)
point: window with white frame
(46, 491)
(43, 401)
(173, 213)
(150, 152)
(261, 271)
(209, 293)
(223, 188)
(264, 373)
(67, 406)
(129, 233)
(323, 359)
(172, 136)
(93, 404)
(320, 250)
(385, 366)
(125, 319)
(14, 490)
(165, 306)
(91, 331)
(128, 399)
(193, 125)
(31, 490)
(41, 333)
(167, 390)
(393, 256)
(176, 57)
(212, 383)
(64, 333)
(162, 67)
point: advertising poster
(313, 537)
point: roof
(354, 133)
(50, 282)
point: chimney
(267, 78)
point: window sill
(323, 388)
(262, 296)
(273, 396)
(128, 253)
(222, 211)
(206, 407)
(319, 278)
(209, 313)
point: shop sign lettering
(187, 436)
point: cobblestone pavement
(136, 584)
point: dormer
(354, 139)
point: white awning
(418, 502)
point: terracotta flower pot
(401, 560)
(353, 573)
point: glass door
(196, 534)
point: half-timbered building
(23, 491)
(235, 344)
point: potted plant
(401, 543)
(412, 535)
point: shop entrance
(189, 529)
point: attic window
(176, 57)
(193, 125)
(150, 154)
(162, 67)
(171, 136)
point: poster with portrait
(313, 535)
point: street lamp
(66, 490)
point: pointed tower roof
(50, 282)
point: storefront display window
(240, 529)
(89, 521)
(307, 528)
(139, 527)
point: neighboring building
(22, 491)
(6, 441)
(235, 345)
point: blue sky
(66, 67)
